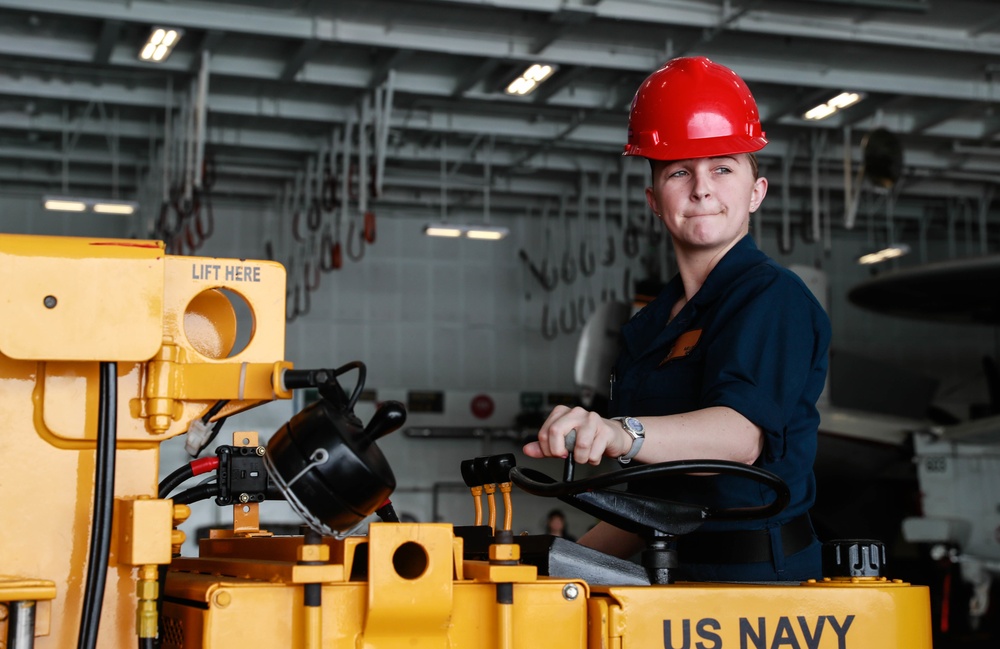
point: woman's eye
(724, 170)
(677, 174)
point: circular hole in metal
(219, 323)
(50, 301)
(246, 441)
(246, 509)
(410, 560)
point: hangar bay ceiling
(416, 91)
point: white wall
(465, 317)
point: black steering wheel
(646, 515)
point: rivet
(223, 599)
(571, 592)
(261, 451)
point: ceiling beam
(110, 29)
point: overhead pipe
(623, 191)
(818, 142)
(190, 142)
(201, 109)
(588, 263)
(345, 167)
(359, 240)
(366, 171)
(850, 197)
(984, 207)
(167, 136)
(609, 254)
(180, 140)
(384, 120)
(785, 238)
(363, 155)
(952, 209)
(487, 179)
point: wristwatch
(635, 430)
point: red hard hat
(693, 108)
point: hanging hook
(547, 281)
(630, 241)
(587, 268)
(548, 332)
(585, 303)
(563, 312)
(359, 254)
(311, 275)
(609, 252)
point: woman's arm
(716, 433)
(609, 539)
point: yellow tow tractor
(110, 347)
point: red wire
(204, 465)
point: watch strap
(637, 439)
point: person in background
(555, 525)
(728, 361)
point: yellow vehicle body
(70, 304)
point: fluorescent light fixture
(840, 102)
(486, 232)
(891, 251)
(442, 230)
(161, 42)
(481, 232)
(123, 207)
(64, 205)
(530, 79)
(99, 205)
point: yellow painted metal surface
(714, 616)
(13, 588)
(80, 299)
(408, 597)
(124, 301)
(144, 525)
(172, 324)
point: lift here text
(226, 272)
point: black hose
(359, 386)
(174, 480)
(104, 494)
(194, 494)
(538, 484)
(147, 643)
(214, 410)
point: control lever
(570, 442)
(475, 486)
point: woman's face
(705, 203)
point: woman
(727, 363)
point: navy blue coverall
(754, 339)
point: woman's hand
(595, 436)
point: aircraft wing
(976, 431)
(868, 426)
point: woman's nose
(702, 185)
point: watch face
(634, 424)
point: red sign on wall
(482, 406)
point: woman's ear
(758, 194)
(651, 201)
